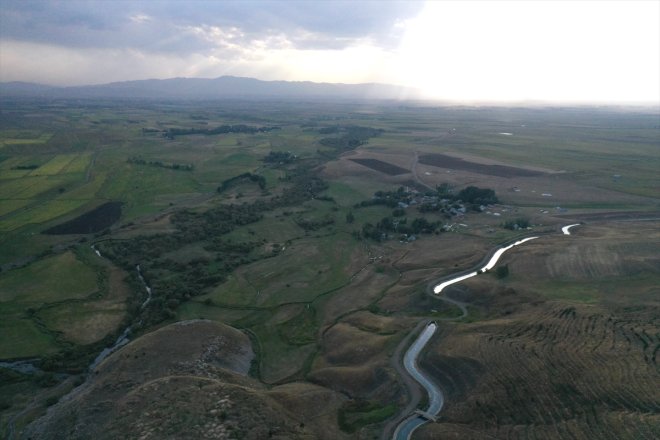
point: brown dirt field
(370, 322)
(92, 221)
(488, 161)
(344, 344)
(592, 252)
(402, 159)
(451, 162)
(355, 381)
(442, 253)
(312, 403)
(566, 189)
(363, 290)
(118, 290)
(346, 170)
(383, 167)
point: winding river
(123, 338)
(436, 399)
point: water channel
(406, 428)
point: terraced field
(39, 195)
(552, 372)
(576, 363)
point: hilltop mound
(185, 380)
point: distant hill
(203, 88)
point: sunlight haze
(590, 51)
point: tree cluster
(477, 196)
(514, 225)
(173, 281)
(223, 129)
(161, 164)
(388, 225)
(245, 177)
(348, 137)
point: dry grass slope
(185, 381)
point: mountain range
(215, 88)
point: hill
(205, 89)
(186, 380)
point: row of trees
(245, 177)
(348, 137)
(388, 225)
(161, 164)
(223, 129)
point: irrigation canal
(405, 429)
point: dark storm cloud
(200, 26)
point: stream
(123, 339)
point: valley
(290, 250)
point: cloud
(582, 50)
(97, 41)
(164, 26)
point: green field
(55, 279)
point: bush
(519, 223)
(502, 271)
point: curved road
(406, 427)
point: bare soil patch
(445, 161)
(354, 380)
(90, 222)
(383, 167)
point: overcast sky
(591, 51)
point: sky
(558, 51)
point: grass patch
(21, 337)
(301, 330)
(52, 279)
(83, 323)
(139, 187)
(356, 414)
(40, 214)
(55, 165)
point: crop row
(562, 373)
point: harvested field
(90, 222)
(552, 372)
(614, 216)
(445, 161)
(383, 167)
